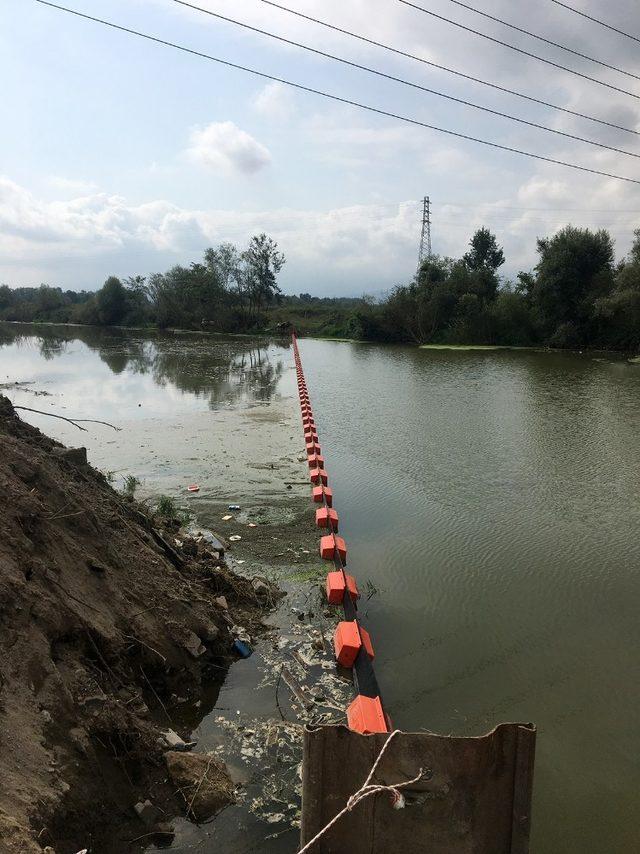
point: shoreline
(630, 355)
(255, 458)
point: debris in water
(227, 517)
(193, 487)
(234, 538)
(233, 507)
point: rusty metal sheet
(476, 798)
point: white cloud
(223, 146)
(71, 185)
(274, 101)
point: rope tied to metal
(366, 790)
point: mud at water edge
(251, 457)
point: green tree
(262, 262)
(619, 312)
(574, 271)
(111, 302)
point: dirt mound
(103, 619)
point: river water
(490, 503)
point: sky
(121, 156)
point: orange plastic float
(326, 517)
(347, 640)
(330, 545)
(318, 476)
(346, 643)
(366, 716)
(337, 583)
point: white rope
(365, 791)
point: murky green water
(490, 498)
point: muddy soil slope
(104, 621)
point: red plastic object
(365, 637)
(327, 518)
(317, 493)
(346, 642)
(328, 496)
(366, 715)
(336, 587)
(331, 543)
(315, 461)
(193, 488)
(318, 476)
(313, 448)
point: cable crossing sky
(337, 98)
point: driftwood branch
(75, 421)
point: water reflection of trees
(220, 369)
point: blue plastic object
(243, 649)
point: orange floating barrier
(318, 476)
(327, 518)
(366, 716)
(346, 642)
(365, 637)
(336, 587)
(330, 544)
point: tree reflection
(220, 369)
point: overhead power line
(409, 83)
(544, 39)
(445, 68)
(519, 50)
(337, 98)
(596, 20)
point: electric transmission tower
(425, 236)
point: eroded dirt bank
(104, 623)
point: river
(489, 499)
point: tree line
(576, 296)
(228, 291)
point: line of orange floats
(365, 714)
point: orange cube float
(332, 544)
(327, 518)
(318, 476)
(336, 587)
(366, 716)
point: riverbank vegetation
(575, 296)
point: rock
(201, 777)
(261, 588)
(96, 566)
(75, 456)
(222, 602)
(210, 633)
(190, 547)
(173, 740)
(194, 645)
(147, 812)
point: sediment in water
(105, 622)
